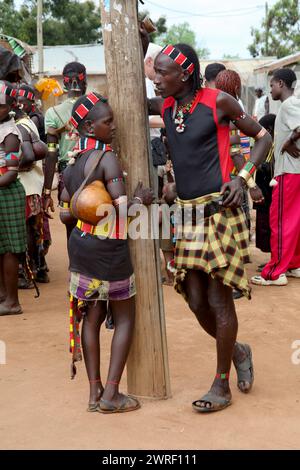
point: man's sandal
(127, 403)
(212, 403)
(93, 407)
(245, 370)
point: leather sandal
(126, 404)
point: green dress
(12, 205)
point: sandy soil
(41, 408)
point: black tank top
(200, 154)
(102, 259)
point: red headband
(26, 94)
(179, 58)
(7, 90)
(80, 77)
(84, 108)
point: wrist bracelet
(52, 147)
(251, 183)
(47, 192)
(244, 175)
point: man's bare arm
(231, 110)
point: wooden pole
(147, 368)
(40, 42)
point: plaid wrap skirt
(89, 289)
(12, 219)
(219, 247)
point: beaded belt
(104, 230)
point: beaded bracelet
(52, 147)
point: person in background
(12, 204)
(284, 211)
(260, 104)
(211, 73)
(34, 150)
(60, 137)
(263, 178)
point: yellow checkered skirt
(219, 247)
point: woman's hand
(257, 195)
(48, 205)
(144, 194)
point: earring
(183, 80)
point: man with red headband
(61, 140)
(212, 243)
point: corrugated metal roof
(56, 57)
(283, 62)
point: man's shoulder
(291, 102)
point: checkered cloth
(12, 219)
(220, 247)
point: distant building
(263, 75)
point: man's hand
(234, 189)
(48, 205)
(257, 195)
(291, 148)
(144, 37)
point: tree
(231, 56)
(9, 18)
(183, 33)
(64, 21)
(280, 32)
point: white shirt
(287, 120)
(151, 94)
(33, 180)
(260, 107)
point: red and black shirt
(200, 154)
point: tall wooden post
(40, 41)
(147, 368)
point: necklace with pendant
(180, 116)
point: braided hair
(191, 54)
(229, 81)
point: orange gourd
(88, 202)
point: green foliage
(64, 21)
(280, 32)
(182, 33)
(231, 56)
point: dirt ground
(41, 408)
